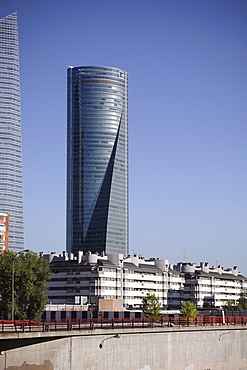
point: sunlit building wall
(4, 231)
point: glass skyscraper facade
(11, 193)
(97, 160)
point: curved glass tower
(11, 194)
(97, 160)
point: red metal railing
(7, 326)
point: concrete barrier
(222, 348)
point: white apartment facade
(211, 287)
(93, 276)
(89, 277)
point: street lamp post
(114, 336)
(13, 284)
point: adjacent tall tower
(11, 194)
(97, 160)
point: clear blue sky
(187, 62)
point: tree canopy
(31, 273)
(240, 305)
(151, 306)
(188, 309)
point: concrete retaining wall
(221, 349)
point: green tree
(231, 306)
(242, 302)
(188, 309)
(31, 273)
(151, 306)
(240, 305)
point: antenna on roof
(185, 256)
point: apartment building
(4, 231)
(211, 287)
(90, 277)
(175, 293)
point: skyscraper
(97, 160)
(11, 194)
